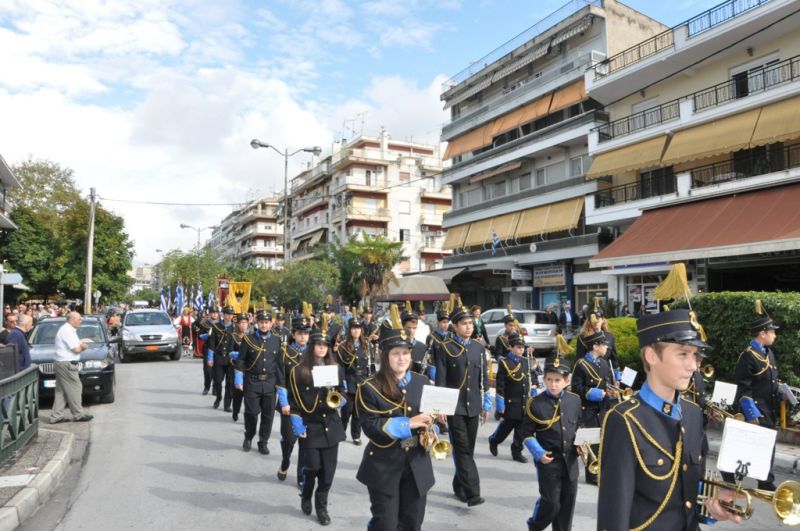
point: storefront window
(584, 295)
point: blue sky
(157, 100)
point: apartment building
(518, 146)
(7, 182)
(375, 186)
(144, 277)
(252, 235)
(700, 161)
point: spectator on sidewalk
(18, 337)
(9, 324)
(69, 389)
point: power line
(164, 203)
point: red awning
(748, 223)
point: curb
(25, 503)
(786, 463)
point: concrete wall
(626, 27)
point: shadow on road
(202, 472)
(170, 405)
(197, 443)
(213, 501)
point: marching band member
(218, 357)
(352, 355)
(260, 376)
(461, 365)
(549, 425)
(513, 386)
(317, 424)
(419, 349)
(651, 452)
(239, 333)
(396, 468)
(501, 345)
(597, 322)
(203, 328)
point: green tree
(30, 251)
(145, 294)
(47, 190)
(377, 256)
(306, 280)
(350, 268)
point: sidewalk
(787, 456)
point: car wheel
(175, 356)
(108, 398)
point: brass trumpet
(438, 448)
(334, 399)
(589, 459)
(785, 500)
(718, 411)
(707, 371)
(622, 394)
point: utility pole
(87, 294)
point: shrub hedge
(624, 330)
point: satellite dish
(533, 248)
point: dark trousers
(288, 439)
(463, 433)
(208, 375)
(403, 510)
(319, 467)
(504, 428)
(558, 488)
(221, 373)
(258, 404)
(349, 413)
(238, 396)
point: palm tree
(377, 255)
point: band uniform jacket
(418, 352)
(611, 353)
(202, 326)
(220, 341)
(585, 377)
(501, 346)
(464, 368)
(435, 342)
(757, 378)
(259, 360)
(385, 458)
(513, 384)
(323, 424)
(650, 468)
(554, 422)
(355, 362)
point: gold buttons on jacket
(660, 462)
(688, 504)
(685, 467)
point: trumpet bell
(441, 450)
(786, 502)
(707, 371)
(334, 399)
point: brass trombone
(334, 398)
(438, 448)
(785, 500)
(587, 456)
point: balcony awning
(581, 26)
(475, 139)
(569, 95)
(732, 225)
(455, 237)
(526, 113)
(715, 138)
(554, 217)
(445, 274)
(778, 122)
(505, 226)
(632, 157)
(496, 171)
(479, 233)
(316, 237)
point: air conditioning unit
(597, 57)
(439, 233)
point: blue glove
(432, 373)
(618, 375)
(210, 355)
(398, 427)
(283, 399)
(487, 402)
(298, 427)
(534, 448)
(749, 408)
(234, 355)
(345, 386)
(534, 392)
(500, 403)
(238, 378)
(344, 401)
(204, 337)
(595, 395)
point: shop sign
(545, 277)
(518, 273)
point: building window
(525, 182)
(404, 207)
(541, 177)
(430, 241)
(405, 176)
(405, 235)
(578, 166)
(472, 197)
(499, 189)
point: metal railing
(636, 53)
(640, 121)
(573, 6)
(758, 162)
(757, 80)
(643, 189)
(719, 14)
(20, 411)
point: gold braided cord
(353, 355)
(647, 436)
(401, 405)
(298, 396)
(762, 359)
(592, 373)
(546, 423)
(675, 472)
(512, 372)
(360, 400)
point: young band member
(218, 357)
(513, 385)
(420, 359)
(259, 375)
(461, 365)
(203, 328)
(352, 355)
(291, 355)
(317, 424)
(501, 345)
(396, 468)
(240, 332)
(651, 452)
(549, 425)
(590, 380)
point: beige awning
(555, 217)
(715, 138)
(778, 122)
(475, 139)
(569, 95)
(316, 237)
(479, 233)
(496, 171)
(632, 157)
(455, 237)
(505, 226)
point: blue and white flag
(164, 300)
(198, 300)
(495, 242)
(211, 301)
(179, 299)
(169, 298)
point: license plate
(49, 384)
(542, 332)
(151, 348)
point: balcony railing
(640, 121)
(759, 162)
(719, 14)
(647, 187)
(755, 81)
(636, 53)
(368, 212)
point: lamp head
(255, 144)
(317, 151)
(184, 226)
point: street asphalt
(161, 458)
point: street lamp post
(199, 230)
(316, 151)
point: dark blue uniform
(262, 376)
(512, 384)
(355, 361)
(589, 377)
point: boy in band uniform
(513, 387)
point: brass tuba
(588, 458)
(438, 448)
(785, 500)
(334, 398)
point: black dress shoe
(247, 444)
(461, 497)
(262, 449)
(305, 506)
(216, 403)
(282, 474)
(475, 500)
(228, 409)
(519, 458)
(357, 441)
(205, 392)
(322, 517)
(493, 447)
(85, 418)
(235, 416)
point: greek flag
(179, 299)
(164, 300)
(495, 242)
(198, 300)
(211, 301)
(169, 298)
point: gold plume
(759, 307)
(451, 304)
(516, 323)
(460, 304)
(310, 310)
(665, 308)
(325, 324)
(562, 347)
(593, 318)
(675, 285)
(421, 307)
(597, 304)
(306, 310)
(394, 314)
(409, 309)
(329, 299)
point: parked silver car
(537, 330)
(148, 331)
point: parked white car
(537, 330)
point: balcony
(309, 176)
(634, 54)
(366, 214)
(376, 183)
(303, 204)
(753, 82)
(434, 220)
(645, 188)
(639, 121)
(744, 166)
(257, 250)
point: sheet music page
(439, 400)
(749, 443)
(724, 394)
(590, 435)
(628, 376)
(325, 375)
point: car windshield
(45, 333)
(533, 318)
(147, 319)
